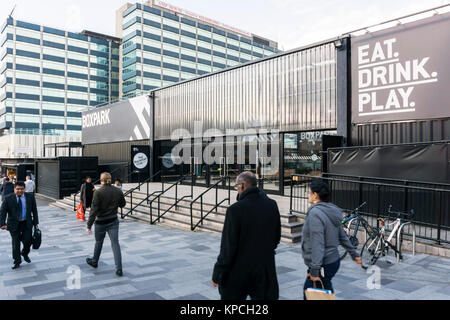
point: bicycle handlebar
(398, 214)
(362, 205)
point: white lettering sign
(95, 119)
(199, 17)
(386, 84)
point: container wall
(109, 153)
(401, 132)
(293, 92)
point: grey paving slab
(166, 263)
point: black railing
(94, 183)
(158, 197)
(138, 187)
(431, 205)
(217, 203)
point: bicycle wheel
(346, 226)
(370, 253)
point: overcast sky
(292, 23)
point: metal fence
(430, 202)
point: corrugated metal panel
(292, 92)
(112, 152)
(401, 132)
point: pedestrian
(322, 234)
(87, 193)
(107, 199)
(251, 233)
(7, 188)
(18, 215)
(118, 184)
(29, 185)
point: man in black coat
(7, 188)
(87, 193)
(18, 215)
(251, 233)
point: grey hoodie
(322, 233)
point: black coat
(7, 188)
(87, 194)
(10, 214)
(251, 233)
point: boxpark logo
(95, 119)
(386, 84)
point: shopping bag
(80, 213)
(319, 294)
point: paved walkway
(162, 263)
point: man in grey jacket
(107, 200)
(322, 234)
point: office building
(48, 76)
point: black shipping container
(63, 176)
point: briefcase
(37, 238)
(319, 294)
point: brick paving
(164, 263)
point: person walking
(87, 193)
(18, 215)
(7, 188)
(107, 199)
(118, 184)
(29, 185)
(322, 234)
(251, 233)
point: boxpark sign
(402, 73)
(127, 120)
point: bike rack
(399, 232)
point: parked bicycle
(380, 246)
(351, 223)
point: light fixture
(338, 43)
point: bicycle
(353, 217)
(379, 246)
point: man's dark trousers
(24, 235)
(112, 229)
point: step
(179, 216)
(291, 227)
(288, 221)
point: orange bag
(80, 212)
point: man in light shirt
(29, 185)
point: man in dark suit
(18, 215)
(7, 188)
(251, 233)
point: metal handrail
(179, 181)
(146, 181)
(217, 204)
(438, 223)
(94, 183)
(130, 193)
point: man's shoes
(91, 262)
(26, 258)
(16, 266)
(119, 272)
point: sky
(291, 23)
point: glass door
(268, 164)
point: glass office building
(163, 45)
(49, 76)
